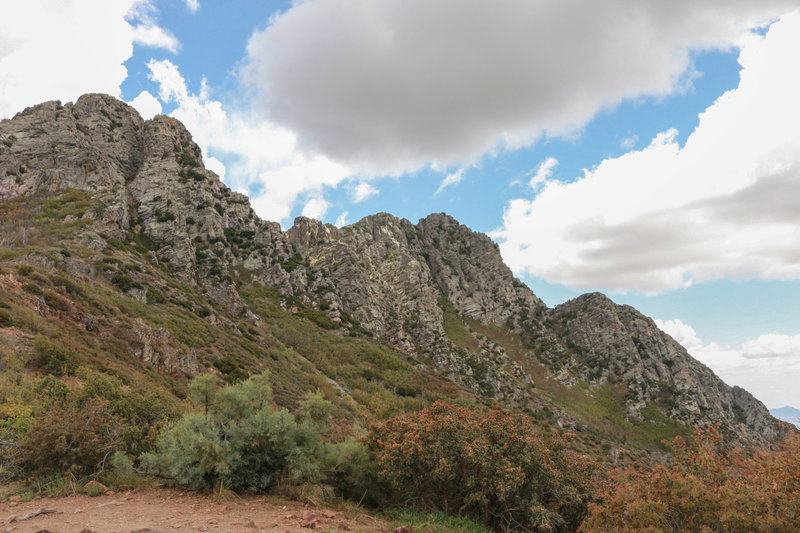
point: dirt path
(175, 511)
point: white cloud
(629, 142)
(341, 220)
(363, 191)
(217, 167)
(767, 366)
(257, 155)
(315, 208)
(156, 37)
(61, 50)
(451, 179)
(544, 172)
(724, 205)
(772, 345)
(193, 5)
(410, 83)
(147, 105)
(683, 333)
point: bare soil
(175, 511)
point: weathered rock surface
(616, 343)
(382, 275)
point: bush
(52, 358)
(32, 288)
(708, 487)
(73, 438)
(125, 282)
(494, 467)
(6, 320)
(239, 441)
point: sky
(648, 150)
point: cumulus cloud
(766, 366)
(683, 333)
(363, 191)
(772, 345)
(155, 36)
(413, 82)
(147, 105)
(61, 50)
(315, 208)
(725, 205)
(257, 155)
(193, 5)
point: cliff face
(434, 290)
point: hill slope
(118, 244)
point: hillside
(124, 261)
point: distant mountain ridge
(787, 414)
(435, 291)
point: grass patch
(455, 329)
(432, 522)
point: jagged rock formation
(421, 287)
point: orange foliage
(494, 467)
(707, 488)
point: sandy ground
(174, 511)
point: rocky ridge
(421, 287)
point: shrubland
(707, 487)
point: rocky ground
(166, 510)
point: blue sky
(645, 151)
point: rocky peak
(306, 233)
(612, 343)
(470, 272)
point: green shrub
(6, 320)
(227, 365)
(32, 288)
(351, 470)
(52, 358)
(240, 442)
(494, 467)
(125, 282)
(94, 490)
(142, 410)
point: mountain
(117, 242)
(787, 414)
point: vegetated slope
(118, 246)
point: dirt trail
(175, 511)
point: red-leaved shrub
(494, 467)
(709, 487)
